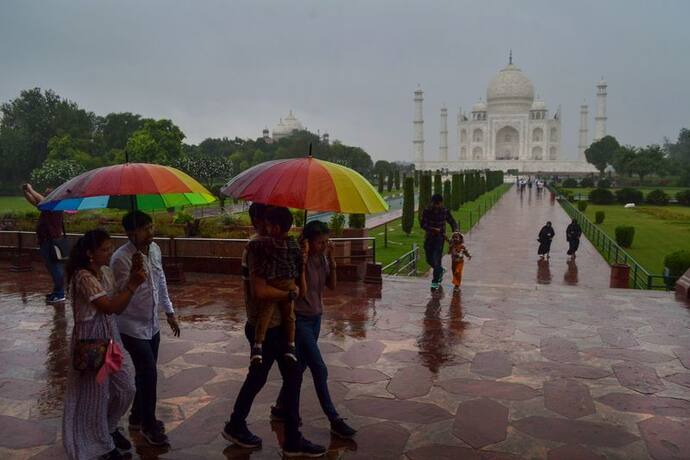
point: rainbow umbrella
(128, 186)
(309, 184)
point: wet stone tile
(21, 434)
(568, 398)
(363, 353)
(666, 439)
(492, 363)
(574, 431)
(481, 422)
(369, 445)
(171, 350)
(490, 389)
(617, 338)
(345, 374)
(440, 452)
(642, 379)
(18, 389)
(184, 382)
(230, 361)
(558, 370)
(683, 355)
(573, 453)
(202, 427)
(680, 379)
(655, 405)
(640, 356)
(392, 409)
(559, 349)
(410, 382)
(498, 329)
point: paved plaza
(511, 368)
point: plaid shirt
(278, 259)
(436, 218)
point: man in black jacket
(434, 219)
(572, 234)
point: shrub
(356, 221)
(601, 196)
(297, 217)
(569, 183)
(625, 236)
(182, 218)
(683, 197)
(587, 182)
(230, 220)
(599, 217)
(677, 263)
(657, 197)
(337, 224)
(582, 206)
(629, 195)
(604, 183)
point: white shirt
(140, 318)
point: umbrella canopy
(307, 183)
(125, 186)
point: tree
(623, 158)
(679, 152)
(55, 172)
(114, 130)
(397, 179)
(600, 153)
(424, 193)
(158, 141)
(456, 194)
(381, 183)
(447, 198)
(209, 171)
(408, 205)
(438, 184)
(648, 161)
(389, 183)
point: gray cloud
(231, 68)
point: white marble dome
(480, 106)
(510, 90)
(287, 126)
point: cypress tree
(380, 183)
(455, 193)
(447, 198)
(397, 179)
(438, 184)
(424, 193)
(389, 184)
(408, 205)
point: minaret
(443, 147)
(582, 146)
(418, 141)
(600, 128)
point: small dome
(510, 89)
(480, 106)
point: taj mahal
(511, 130)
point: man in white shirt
(139, 324)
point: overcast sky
(229, 68)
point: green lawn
(399, 243)
(659, 230)
(14, 204)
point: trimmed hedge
(357, 221)
(587, 182)
(657, 197)
(599, 217)
(582, 206)
(601, 196)
(570, 183)
(683, 197)
(604, 183)
(677, 263)
(625, 235)
(629, 195)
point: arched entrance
(507, 143)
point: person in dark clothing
(546, 234)
(434, 219)
(50, 227)
(572, 235)
(258, 290)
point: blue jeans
(433, 250)
(55, 268)
(307, 329)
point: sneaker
(456, 289)
(56, 298)
(135, 424)
(278, 415)
(303, 448)
(239, 434)
(434, 286)
(291, 353)
(256, 355)
(112, 455)
(122, 444)
(342, 429)
(154, 436)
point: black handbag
(88, 354)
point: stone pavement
(499, 372)
(504, 246)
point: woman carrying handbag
(100, 380)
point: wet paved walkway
(500, 372)
(504, 246)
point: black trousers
(144, 355)
(272, 350)
(572, 246)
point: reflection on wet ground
(512, 371)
